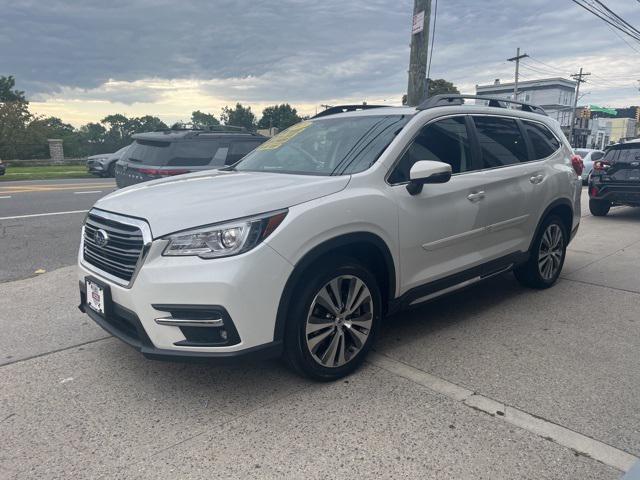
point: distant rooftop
(497, 85)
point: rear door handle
(536, 179)
(476, 196)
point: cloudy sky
(82, 60)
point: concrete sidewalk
(77, 404)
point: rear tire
(599, 208)
(547, 255)
(326, 337)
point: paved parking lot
(496, 382)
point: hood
(193, 200)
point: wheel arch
(366, 247)
(561, 207)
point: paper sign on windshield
(284, 137)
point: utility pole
(419, 51)
(578, 77)
(517, 60)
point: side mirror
(427, 171)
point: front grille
(119, 256)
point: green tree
(239, 116)
(146, 123)
(440, 86)
(279, 116)
(14, 118)
(202, 120)
(8, 93)
(436, 87)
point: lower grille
(112, 246)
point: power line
(614, 15)
(609, 19)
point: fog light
(223, 334)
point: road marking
(50, 188)
(579, 443)
(90, 191)
(42, 214)
(6, 196)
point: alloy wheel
(551, 251)
(339, 321)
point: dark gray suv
(174, 152)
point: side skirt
(457, 281)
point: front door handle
(536, 179)
(476, 196)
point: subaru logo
(101, 238)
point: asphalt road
(40, 223)
(495, 382)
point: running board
(460, 285)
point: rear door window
(501, 142)
(543, 142)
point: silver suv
(301, 247)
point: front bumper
(247, 288)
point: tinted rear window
(626, 153)
(544, 142)
(501, 142)
(183, 153)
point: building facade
(555, 95)
(605, 131)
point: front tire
(547, 255)
(332, 320)
(111, 171)
(599, 208)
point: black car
(105, 165)
(173, 152)
(3, 168)
(615, 179)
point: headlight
(224, 240)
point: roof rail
(346, 108)
(458, 99)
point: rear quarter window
(543, 141)
(501, 142)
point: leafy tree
(440, 85)
(8, 93)
(202, 120)
(14, 118)
(436, 87)
(239, 116)
(146, 123)
(279, 116)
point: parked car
(301, 247)
(104, 165)
(174, 152)
(588, 156)
(3, 168)
(616, 178)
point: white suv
(303, 246)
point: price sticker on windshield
(282, 138)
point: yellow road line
(51, 188)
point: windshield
(625, 153)
(331, 146)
